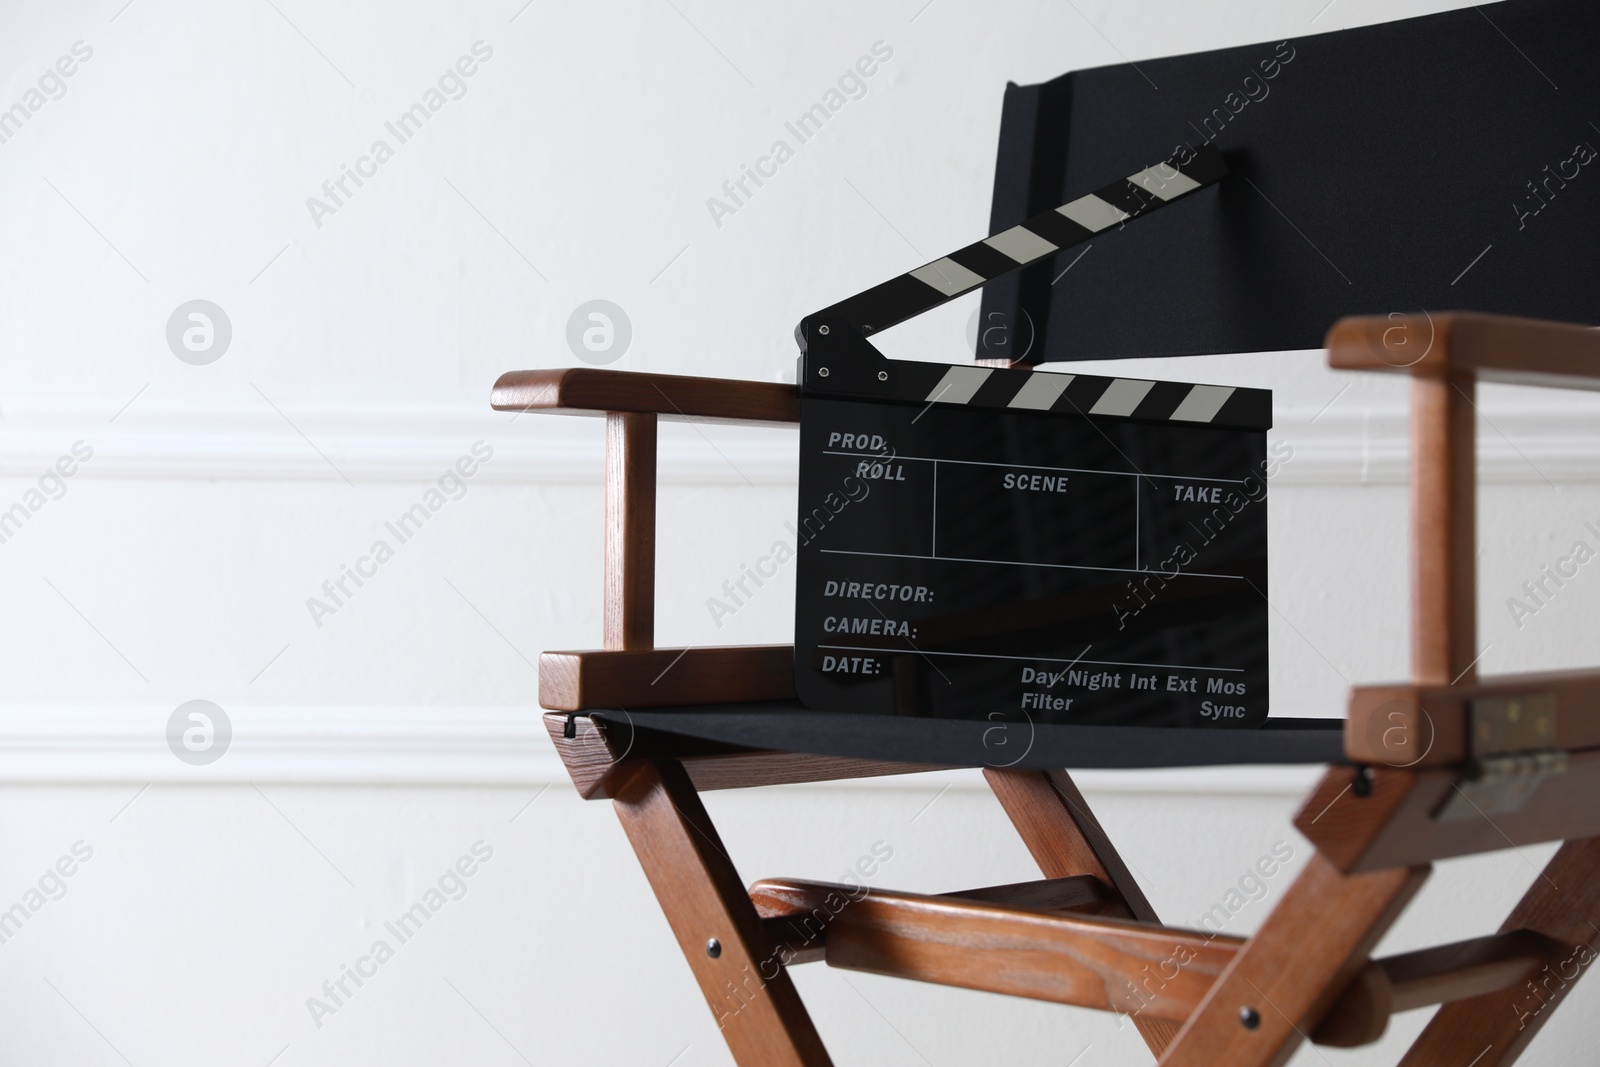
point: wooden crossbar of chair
(1028, 949)
(1444, 765)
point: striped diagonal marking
(947, 276)
(932, 284)
(1092, 213)
(1202, 403)
(1021, 244)
(1121, 397)
(958, 385)
(1165, 181)
(1041, 390)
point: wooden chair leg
(1067, 841)
(1290, 973)
(1494, 1029)
(740, 971)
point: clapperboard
(1009, 544)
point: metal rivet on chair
(1249, 1018)
(713, 948)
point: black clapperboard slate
(1011, 545)
(1008, 544)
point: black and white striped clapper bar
(1027, 547)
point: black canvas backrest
(1443, 162)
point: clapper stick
(960, 272)
(838, 359)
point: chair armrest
(1492, 348)
(1446, 354)
(632, 403)
(591, 391)
(1418, 725)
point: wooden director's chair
(1444, 765)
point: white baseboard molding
(61, 744)
(248, 439)
(368, 443)
(324, 745)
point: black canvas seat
(787, 726)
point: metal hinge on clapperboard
(997, 543)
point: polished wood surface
(1413, 725)
(1563, 906)
(1290, 974)
(1493, 348)
(1394, 824)
(593, 391)
(1112, 964)
(1444, 524)
(1066, 840)
(630, 567)
(1361, 1014)
(1466, 968)
(1085, 893)
(602, 679)
(1431, 976)
(1062, 834)
(598, 760)
(804, 935)
(745, 984)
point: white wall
(371, 751)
